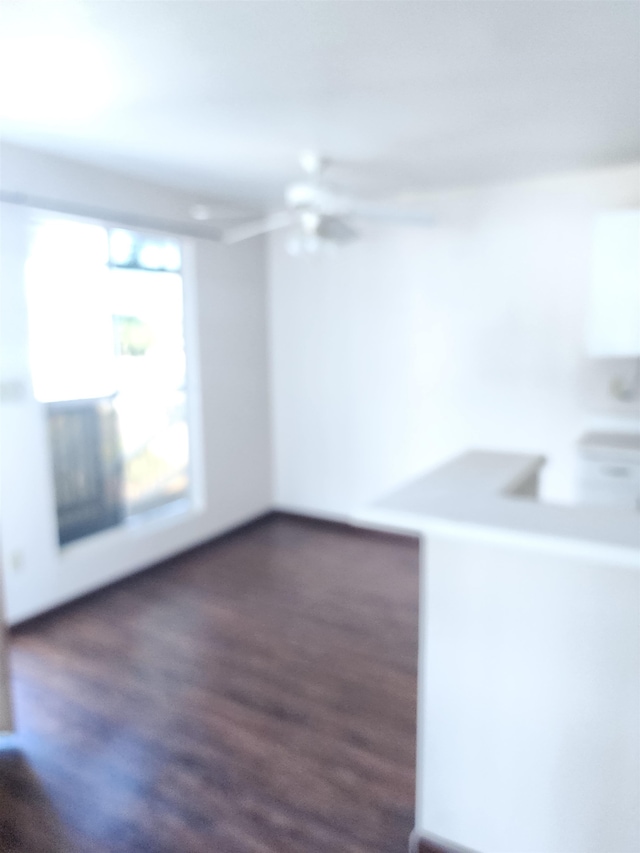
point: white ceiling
(218, 96)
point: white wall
(227, 363)
(528, 698)
(412, 345)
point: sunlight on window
(133, 251)
(70, 327)
(151, 364)
(106, 329)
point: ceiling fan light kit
(303, 244)
(319, 216)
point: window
(107, 350)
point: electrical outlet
(12, 391)
(16, 561)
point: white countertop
(473, 495)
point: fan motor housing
(310, 196)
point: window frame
(194, 503)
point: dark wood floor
(257, 694)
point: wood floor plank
(255, 695)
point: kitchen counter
(528, 711)
(494, 494)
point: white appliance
(609, 469)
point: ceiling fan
(318, 215)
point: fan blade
(272, 222)
(393, 215)
(335, 229)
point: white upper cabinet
(613, 322)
